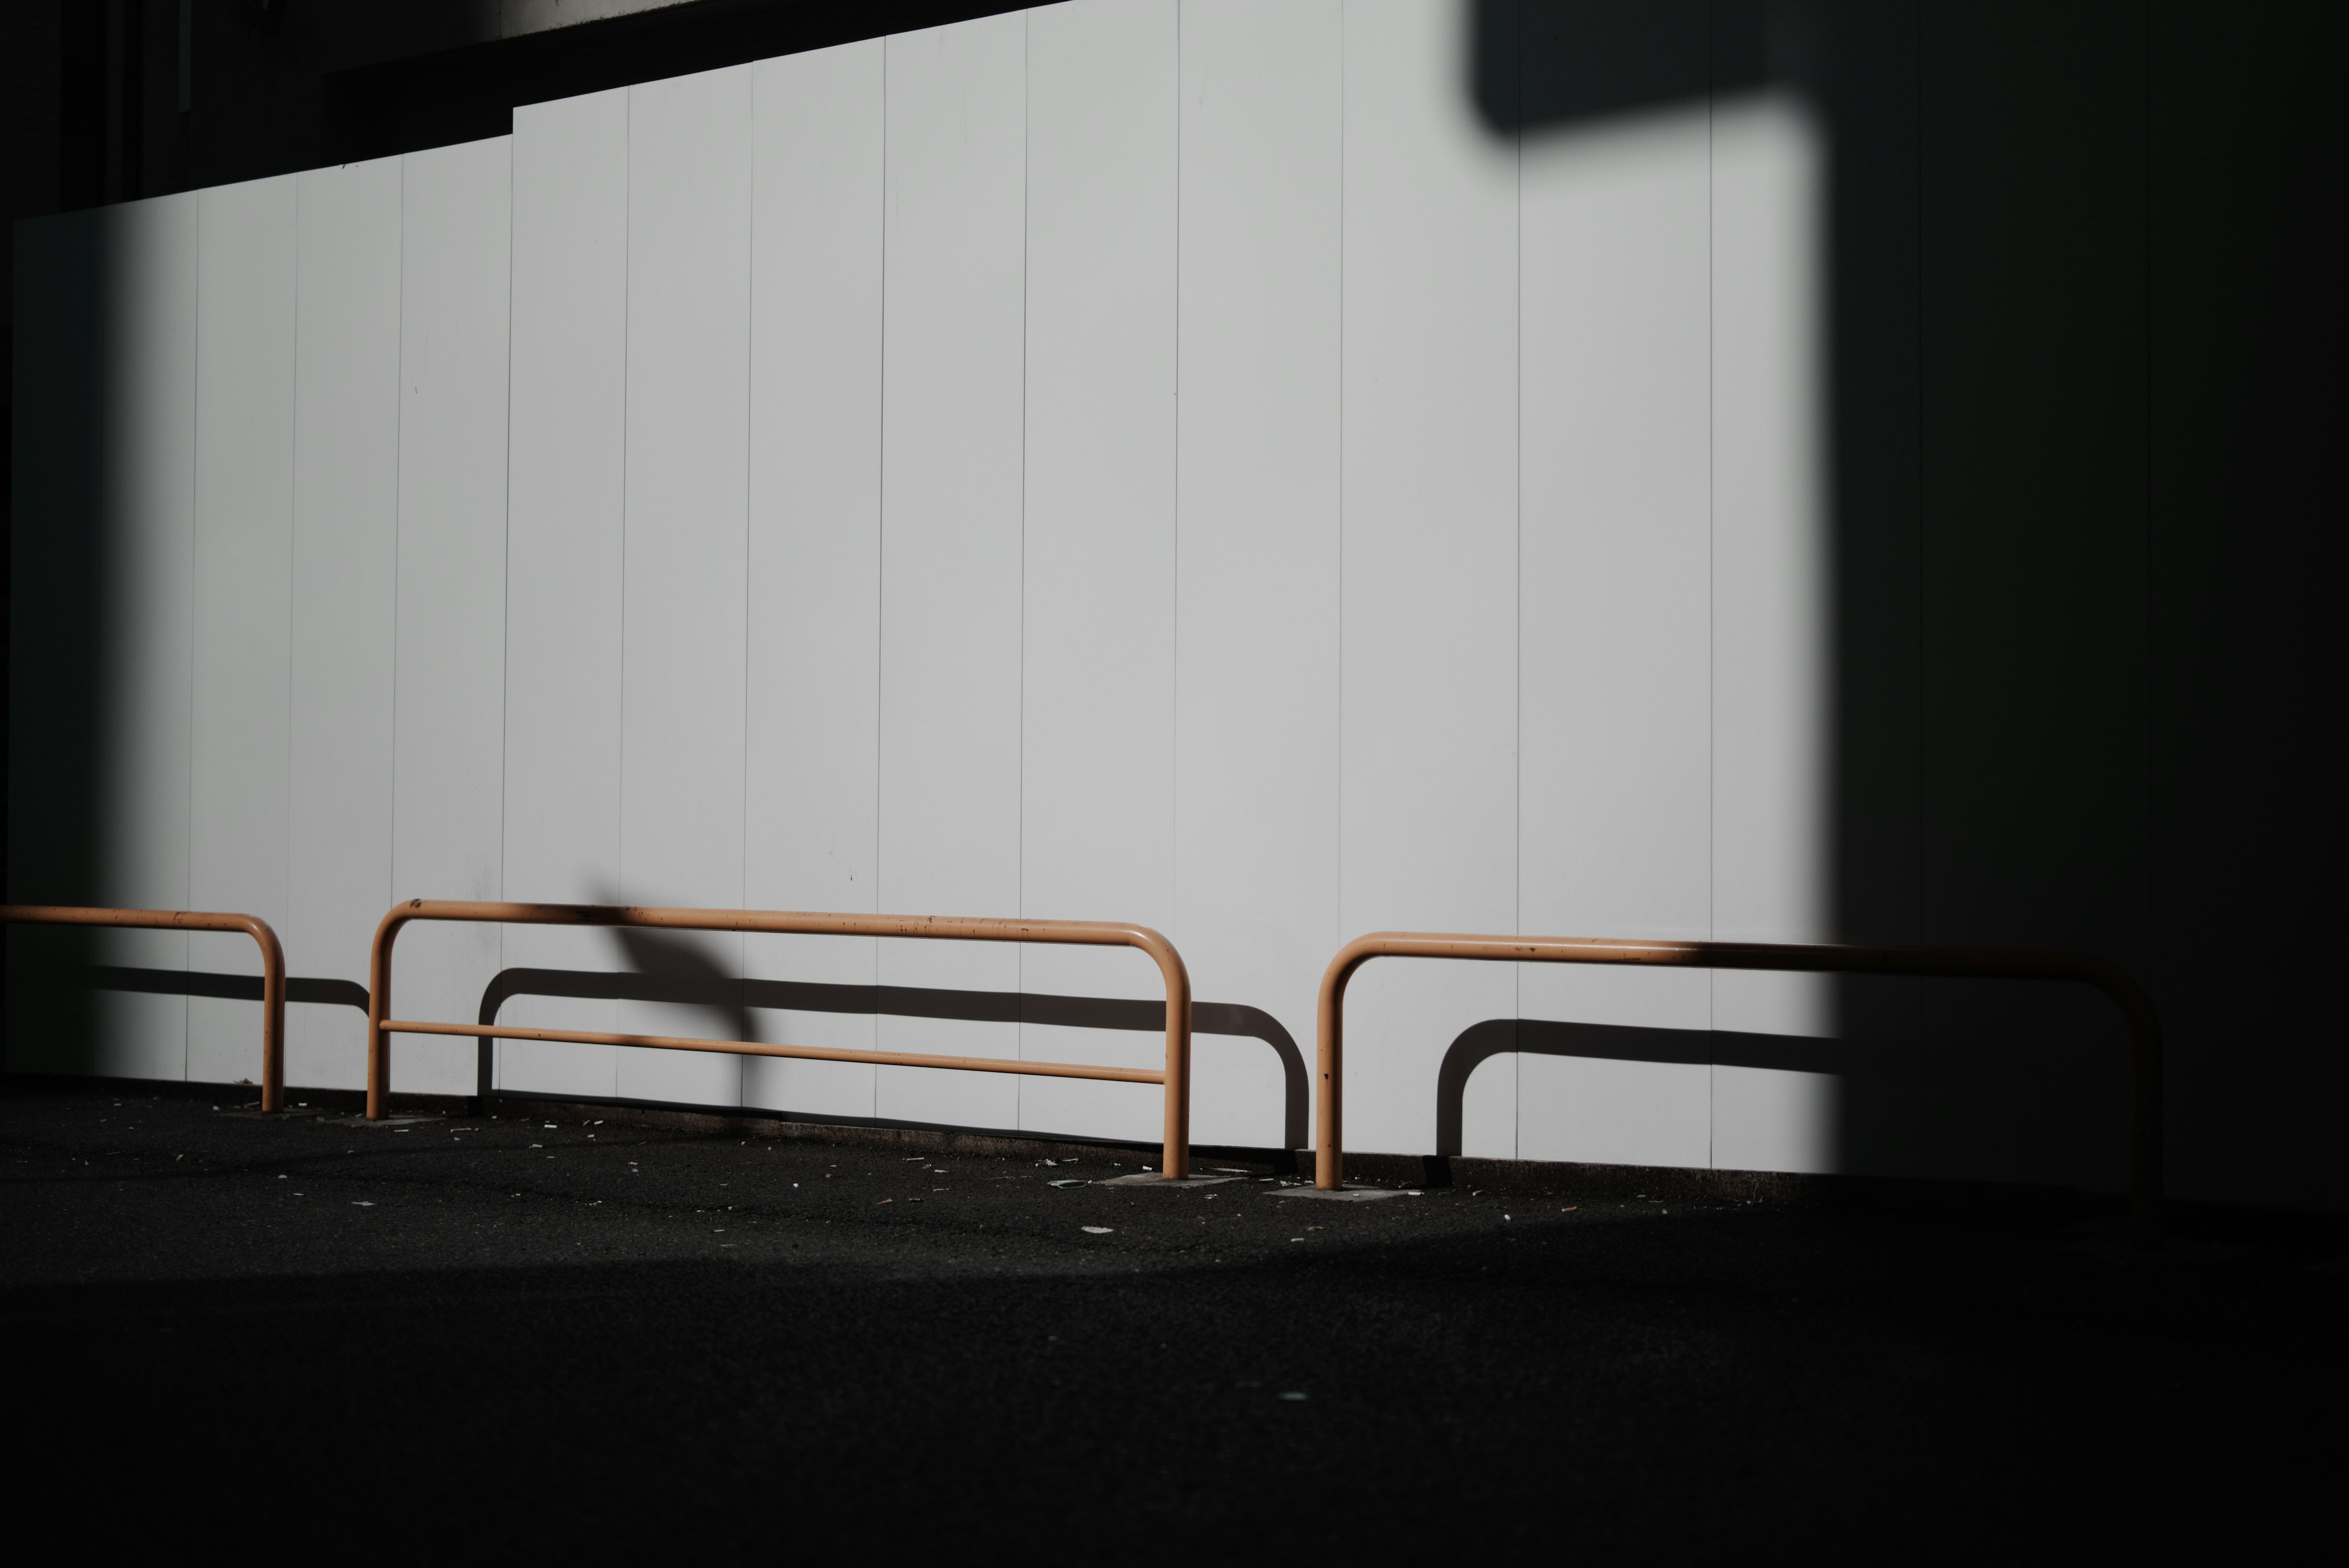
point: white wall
(1616, 517)
(449, 712)
(1097, 643)
(346, 554)
(1257, 583)
(810, 834)
(952, 493)
(1428, 783)
(565, 463)
(1169, 460)
(684, 588)
(240, 665)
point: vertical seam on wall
(292, 504)
(505, 642)
(749, 382)
(1517, 856)
(1712, 571)
(293, 461)
(627, 267)
(398, 448)
(1339, 908)
(1019, 835)
(196, 423)
(880, 553)
(1174, 531)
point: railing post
(379, 1062)
(1174, 1156)
(273, 1015)
(1330, 1067)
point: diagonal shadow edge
(1138, 1016)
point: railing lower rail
(1972, 963)
(1175, 1076)
(272, 964)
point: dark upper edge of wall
(470, 93)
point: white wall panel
(565, 466)
(1256, 670)
(687, 498)
(1772, 617)
(814, 632)
(346, 554)
(1430, 776)
(449, 786)
(950, 551)
(146, 495)
(242, 585)
(1097, 799)
(1614, 603)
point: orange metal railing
(1175, 1077)
(1976, 963)
(273, 965)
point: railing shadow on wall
(1480, 1042)
(228, 987)
(675, 972)
(672, 971)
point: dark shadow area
(466, 94)
(58, 682)
(1419, 1379)
(2250, 226)
(684, 985)
(2081, 347)
(1542, 64)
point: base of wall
(1555, 1178)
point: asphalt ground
(469, 1338)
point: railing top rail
(272, 963)
(789, 922)
(141, 920)
(1833, 958)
